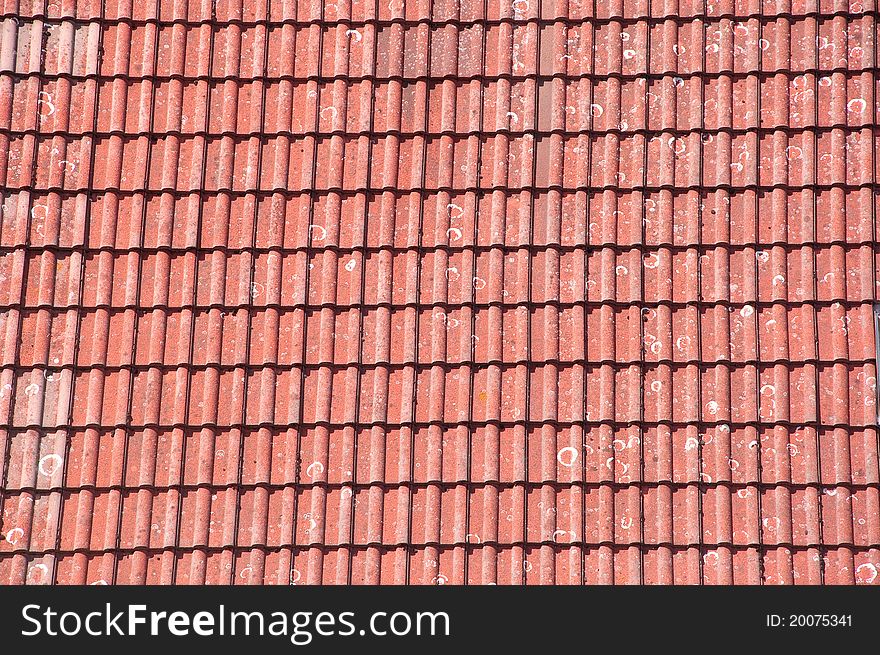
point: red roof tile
(460, 291)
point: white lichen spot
(14, 535)
(567, 456)
(350, 264)
(520, 6)
(453, 234)
(857, 105)
(866, 573)
(455, 211)
(771, 521)
(50, 463)
(315, 469)
(563, 533)
(44, 99)
(37, 573)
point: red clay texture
(439, 292)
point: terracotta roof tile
(460, 291)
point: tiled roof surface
(422, 292)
